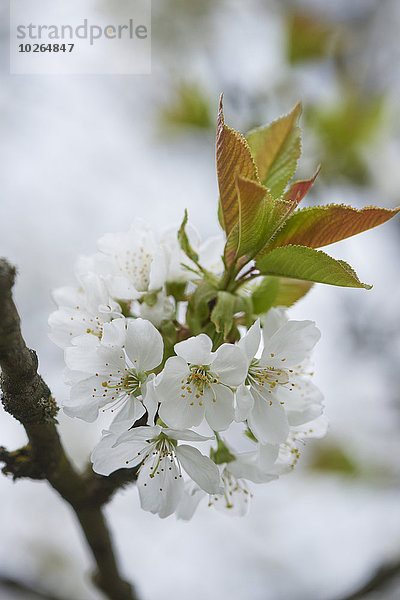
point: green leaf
(244, 304)
(260, 216)
(301, 262)
(184, 241)
(276, 149)
(222, 313)
(199, 307)
(264, 294)
(278, 291)
(291, 290)
(322, 225)
(233, 157)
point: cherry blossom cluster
(199, 417)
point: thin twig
(27, 398)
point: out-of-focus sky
(84, 155)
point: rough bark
(28, 399)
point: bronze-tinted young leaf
(298, 190)
(289, 203)
(233, 157)
(301, 262)
(253, 218)
(322, 225)
(260, 216)
(276, 149)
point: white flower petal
(158, 269)
(268, 422)
(87, 397)
(236, 498)
(290, 345)
(150, 398)
(160, 485)
(84, 402)
(314, 429)
(196, 350)
(230, 364)
(102, 360)
(185, 434)
(121, 288)
(86, 340)
(247, 466)
(181, 413)
(95, 263)
(199, 467)
(175, 369)
(303, 403)
(250, 342)
(143, 344)
(219, 409)
(67, 297)
(179, 408)
(191, 497)
(244, 403)
(132, 410)
(137, 434)
(114, 333)
(273, 320)
(96, 292)
(67, 323)
(267, 455)
(108, 457)
(210, 254)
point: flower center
(200, 377)
(130, 383)
(264, 377)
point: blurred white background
(84, 155)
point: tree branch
(379, 580)
(25, 588)
(27, 398)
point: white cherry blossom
(290, 450)
(199, 383)
(161, 459)
(118, 372)
(277, 393)
(258, 466)
(136, 262)
(82, 311)
(235, 498)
